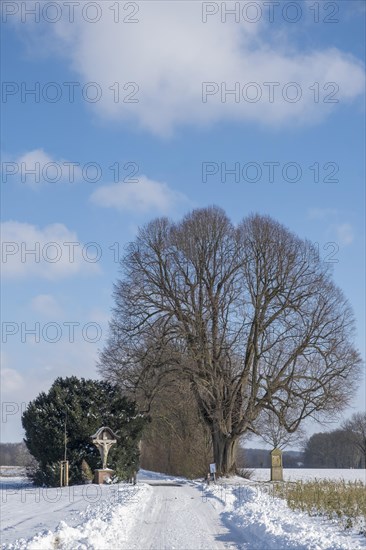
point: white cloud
(170, 52)
(52, 252)
(46, 305)
(36, 167)
(345, 234)
(341, 231)
(143, 196)
(11, 380)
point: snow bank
(268, 523)
(104, 524)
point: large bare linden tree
(247, 314)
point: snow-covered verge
(268, 523)
(84, 516)
(310, 474)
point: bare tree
(247, 314)
(273, 432)
(356, 425)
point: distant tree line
(14, 454)
(261, 458)
(341, 448)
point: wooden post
(64, 473)
(64, 465)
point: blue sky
(174, 128)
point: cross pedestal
(103, 476)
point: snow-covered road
(178, 517)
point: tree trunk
(224, 451)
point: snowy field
(162, 512)
(12, 471)
(309, 474)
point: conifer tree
(84, 406)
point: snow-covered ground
(12, 471)
(161, 512)
(308, 474)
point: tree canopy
(247, 313)
(85, 406)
